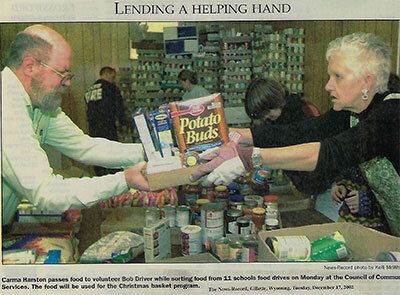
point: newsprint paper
(202, 278)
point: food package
(42, 244)
(199, 125)
(120, 246)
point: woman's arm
(301, 157)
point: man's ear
(28, 65)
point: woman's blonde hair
(370, 55)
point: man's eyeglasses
(65, 77)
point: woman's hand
(338, 193)
(352, 201)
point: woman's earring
(364, 95)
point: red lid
(271, 198)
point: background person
(105, 108)
(37, 72)
(268, 102)
(362, 128)
(188, 81)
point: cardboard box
(123, 219)
(364, 243)
(197, 258)
(171, 178)
(157, 241)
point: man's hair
(368, 53)
(107, 70)
(263, 95)
(188, 75)
(24, 44)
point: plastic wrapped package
(42, 244)
(120, 246)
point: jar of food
(245, 189)
(271, 207)
(271, 223)
(208, 192)
(243, 225)
(233, 188)
(230, 221)
(221, 192)
(191, 193)
(236, 202)
(258, 218)
(222, 248)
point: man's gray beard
(49, 101)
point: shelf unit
(295, 47)
(207, 62)
(236, 68)
(147, 76)
(173, 64)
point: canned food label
(294, 248)
(191, 240)
(212, 218)
(232, 227)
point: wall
(98, 44)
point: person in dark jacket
(104, 108)
(361, 130)
(267, 100)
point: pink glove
(219, 156)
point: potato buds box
(199, 124)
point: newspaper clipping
(112, 33)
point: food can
(169, 212)
(243, 225)
(260, 175)
(235, 251)
(191, 239)
(212, 222)
(290, 248)
(230, 222)
(249, 249)
(222, 248)
(182, 216)
(329, 248)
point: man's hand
(134, 177)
